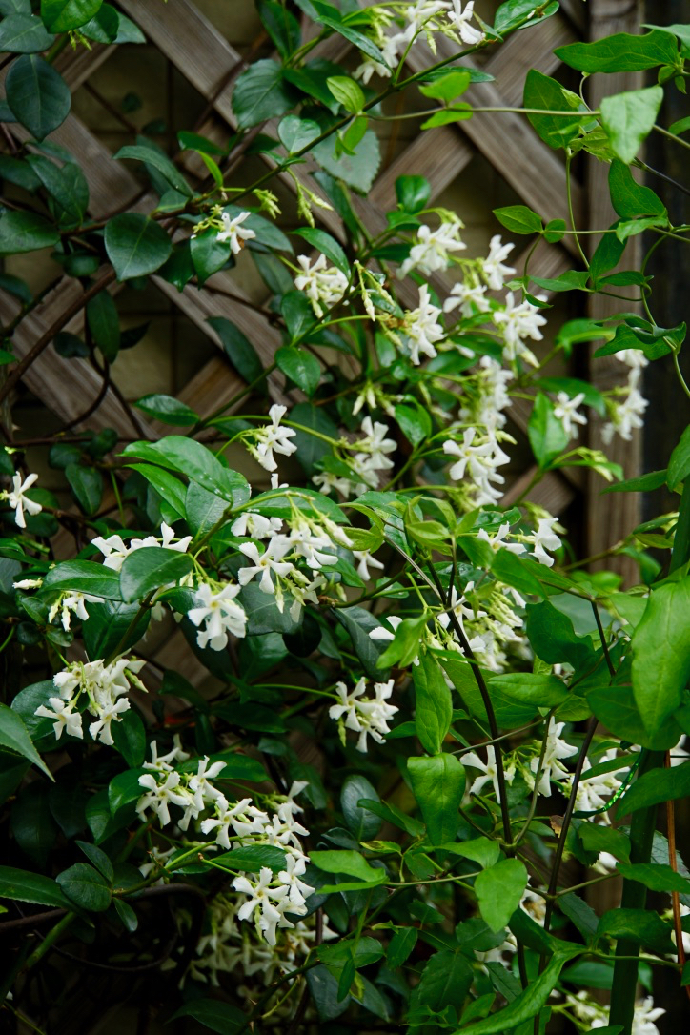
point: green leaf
(87, 486)
(85, 887)
(261, 93)
(514, 14)
(629, 198)
(301, 367)
(543, 92)
(359, 623)
(553, 636)
(25, 232)
(37, 95)
(214, 1014)
(481, 850)
(413, 193)
(14, 737)
(151, 568)
(295, 134)
(447, 116)
(350, 863)
(546, 691)
(595, 837)
(661, 653)
(414, 422)
(434, 705)
(98, 857)
(645, 483)
(361, 822)
(129, 738)
(136, 245)
(104, 324)
(160, 162)
(401, 946)
(519, 219)
(281, 25)
(84, 577)
(641, 926)
(615, 707)
(529, 1002)
(298, 314)
(24, 886)
(204, 509)
(447, 87)
(194, 460)
(656, 786)
(347, 92)
(621, 52)
(327, 244)
(168, 410)
(546, 433)
(169, 488)
(24, 34)
(357, 170)
(239, 349)
(445, 981)
(326, 14)
(679, 463)
(629, 117)
(438, 784)
(656, 876)
(252, 857)
(499, 890)
(67, 186)
(208, 254)
(63, 15)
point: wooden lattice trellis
(210, 64)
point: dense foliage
(424, 704)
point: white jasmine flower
(115, 549)
(19, 501)
(256, 525)
(381, 633)
(566, 411)
(488, 769)
(628, 415)
(470, 297)
(492, 268)
(460, 20)
(544, 539)
(104, 686)
(272, 439)
(518, 322)
(551, 768)
(161, 795)
(72, 602)
(63, 716)
(234, 232)
(432, 249)
(259, 902)
(474, 456)
(497, 541)
(267, 563)
(364, 715)
(323, 285)
(421, 327)
(365, 560)
(298, 890)
(107, 711)
(594, 791)
(220, 613)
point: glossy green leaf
(360, 821)
(24, 886)
(546, 433)
(136, 245)
(168, 410)
(357, 170)
(543, 92)
(194, 460)
(445, 981)
(346, 92)
(14, 737)
(655, 876)
(87, 486)
(24, 34)
(160, 162)
(499, 890)
(438, 784)
(64, 15)
(281, 25)
(517, 14)
(213, 1014)
(327, 244)
(629, 117)
(679, 462)
(38, 96)
(85, 887)
(261, 93)
(447, 87)
(433, 703)
(661, 653)
(301, 367)
(25, 232)
(519, 219)
(103, 320)
(151, 568)
(252, 858)
(84, 577)
(641, 926)
(413, 193)
(349, 862)
(621, 52)
(239, 349)
(656, 786)
(295, 134)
